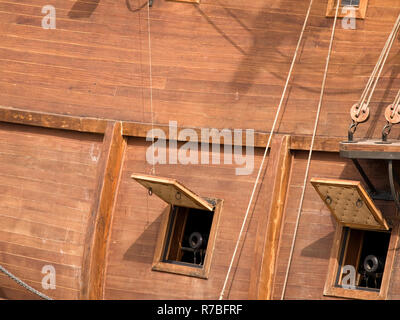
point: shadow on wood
(142, 250)
(317, 249)
(83, 9)
(136, 6)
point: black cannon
(197, 245)
(372, 271)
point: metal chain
(23, 284)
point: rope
(266, 150)
(396, 104)
(311, 148)
(23, 284)
(151, 83)
(396, 29)
(379, 62)
(373, 80)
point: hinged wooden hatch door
(172, 192)
(350, 204)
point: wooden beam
(99, 224)
(297, 142)
(326, 144)
(269, 226)
(135, 129)
(51, 120)
(140, 130)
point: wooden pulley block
(390, 117)
(359, 115)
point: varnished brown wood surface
(219, 64)
(99, 222)
(52, 120)
(269, 227)
(166, 189)
(315, 237)
(136, 227)
(47, 188)
(138, 129)
(136, 224)
(374, 145)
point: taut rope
(360, 111)
(310, 153)
(266, 150)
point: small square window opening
(188, 234)
(360, 7)
(188, 228)
(366, 252)
(354, 3)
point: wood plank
(99, 225)
(139, 129)
(49, 120)
(269, 227)
(173, 192)
(371, 149)
(245, 70)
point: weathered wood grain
(215, 64)
(269, 227)
(47, 179)
(99, 224)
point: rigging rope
(396, 104)
(311, 149)
(151, 83)
(23, 284)
(374, 78)
(266, 150)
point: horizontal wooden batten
(141, 130)
(52, 120)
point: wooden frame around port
(189, 1)
(160, 265)
(360, 11)
(331, 290)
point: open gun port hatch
(350, 204)
(188, 228)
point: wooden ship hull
(77, 103)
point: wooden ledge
(371, 149)
(140, 129)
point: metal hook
(150, 191)
(352, 130)
(386, 130)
